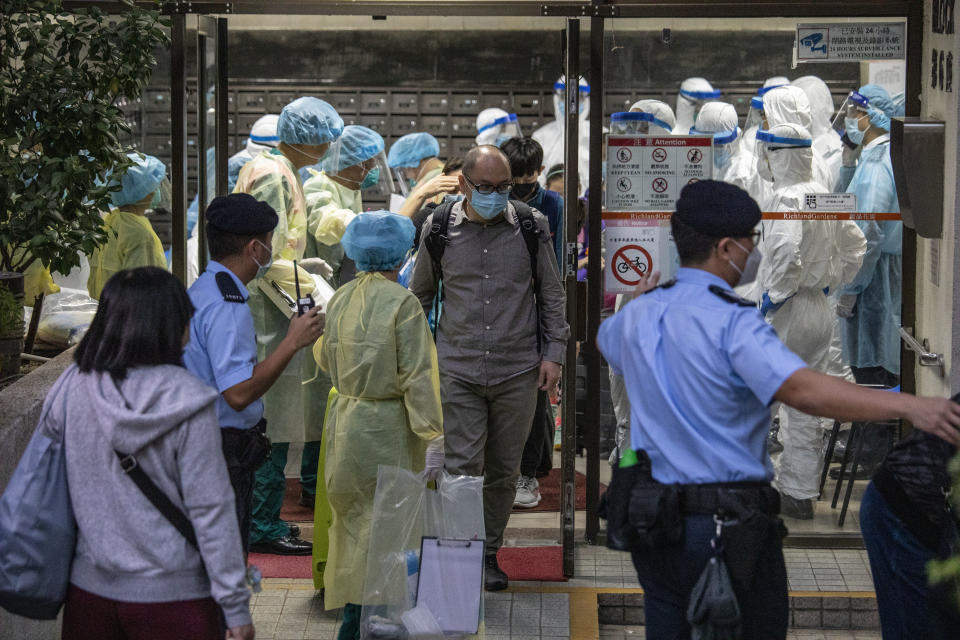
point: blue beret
(241, 214)
(717, 209)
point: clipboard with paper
(451, 583)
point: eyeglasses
(755, 236)
(487, 189)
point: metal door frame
(596, 11)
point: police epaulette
(663, 285)
(228, 288)
(729, 296)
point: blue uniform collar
(215, 267)
(692, 275)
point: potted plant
(63, 75)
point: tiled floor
(615, 632)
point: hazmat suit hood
(789, 165)
(693, 93)
(719, 119)
(559, 87)
(659, 110)
(147, 404)
(787, 104)
(821, 103)
(263, 135)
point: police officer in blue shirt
(702, 369)
(223, 346)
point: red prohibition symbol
(630, 262)
(659, 154)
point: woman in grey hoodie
(134, 576)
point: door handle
(922, 349)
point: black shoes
(494, 578)
(307, 500)
(294, 529)
(797, 508)
(286, 546)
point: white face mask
(749, 272)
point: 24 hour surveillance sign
(851, 41)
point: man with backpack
(502, 333)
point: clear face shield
(854, 107)
(404, 179)
(636, 123)
(768, 143)
(723, 145)
(699, 98)
(371, 176)
(162, 202)
(500, 130)
(755, 114)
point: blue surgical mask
(500, 140)
(263, 268)
(452, 197)
(371, 179)
(852, 128)
(488, 205)
(721, 156)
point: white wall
(938, 306)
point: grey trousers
(485, 429)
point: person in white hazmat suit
(661, 119)
(693, 94)
(827, 146)
(550, 135)
(787, 103)
(798, 265)
(658, 119)
(496, 126)
(719, 119)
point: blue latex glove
(767, 305)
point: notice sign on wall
(646, 173)
(636, 244)
(851, 41)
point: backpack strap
(531, 237)
(157, 497)
(436, 242)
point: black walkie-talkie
(304, 304)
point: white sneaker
(528, 493)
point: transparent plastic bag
(65, 318)
(404, 511)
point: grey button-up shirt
(488, 328)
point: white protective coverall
(720, 120)
(550, 135)
(660, 111)
(788, 103)
(694, 92)
(799, 263)
(827, 147)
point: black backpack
(437, 240)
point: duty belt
(732, 497)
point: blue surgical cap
(881, 106)
(355, 145)
(309, 121)
(139, 181)
(409, 150)
(378, 240)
